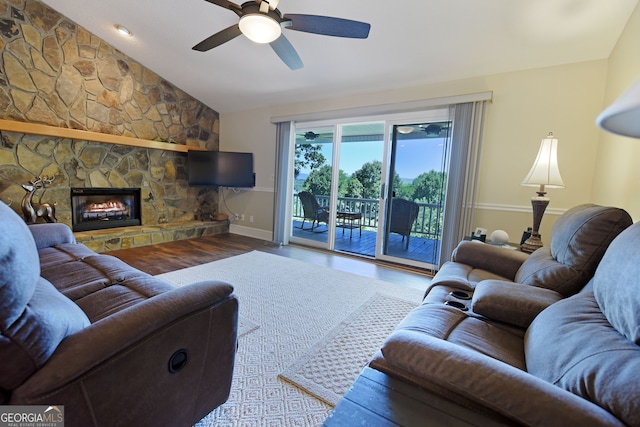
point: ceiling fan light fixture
(123, 30)
(260, 28)
(405, 129)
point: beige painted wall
(252, 132)
(617, 175)
(526, 106)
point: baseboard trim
(256, 233)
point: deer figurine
(33, 211)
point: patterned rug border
(294, 373)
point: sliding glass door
(361, 150)
(312, 183)
(373, 188)
(428, 157)
(415, 192)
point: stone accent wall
(56, 73)
(161, 175)
(131, 237)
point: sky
(414, 156)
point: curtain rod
(385, 108)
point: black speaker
(525, 235)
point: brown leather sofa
(490, 276)
(537, 340)
(112, 344)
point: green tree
(319, 182)
(429, 187)
(308, 156)
(369, 176)
(401, 189)
(354, 188)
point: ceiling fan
(262, 22)
(310, 136)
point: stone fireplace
(56, 73)
(100, 208)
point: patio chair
(312, 210)
(403, 215)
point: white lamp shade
(259, 27)
(545, 169)
(623, 116)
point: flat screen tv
(220, 169)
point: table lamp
(543, 173)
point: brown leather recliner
(552, 340)
(481, 277)
(112, 344)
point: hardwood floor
(165, 257)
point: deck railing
(428, 224)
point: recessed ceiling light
(123, 30)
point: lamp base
(539, 204)
(531, 244)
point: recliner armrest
(95, 347)
(490, 383)
(51, 234)
(495, 259)
(510, 302)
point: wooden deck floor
(420, 249)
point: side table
(378, 400)
(348, 220)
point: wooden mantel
(84, 135)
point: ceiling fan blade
(328, 26)
(236, 8)
(284, 49)
(218, 38)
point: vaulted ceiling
(411, 42)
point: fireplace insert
(100, 208)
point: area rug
(296, 306)
(245, 326)
(329, 368)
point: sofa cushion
(99, 284)
(542, 270)
(34, 316)
(19, 266)
(579, 239)
(572, 345)
(457, 327)
(616, 284)
(48, 318)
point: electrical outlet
(251, 218)
(236, 217)
(242, 217)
